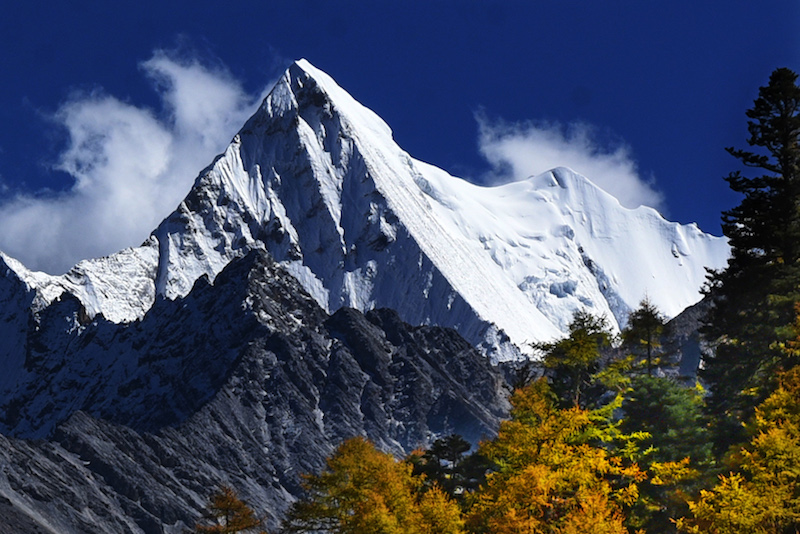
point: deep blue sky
(671, 80)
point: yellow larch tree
(365, 491)
(228, 514)
(549, 478)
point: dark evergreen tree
(643, 333)
(447, 465)
(671, 415)
(449, 449)
(753, 298)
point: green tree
(675, 437)
(572, 363)
(643, 334)
(753, 297)
(228, 514)
(364, 491)
(447, 464)
(449, 449)
(672, 415)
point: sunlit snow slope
(316, 179)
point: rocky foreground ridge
(246, 382)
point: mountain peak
(303, 87)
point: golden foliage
(763, 494)
(549, 480)
(365, 491)
(229, 514)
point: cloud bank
(518, 151)
(131, 167)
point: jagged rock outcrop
(684, 341)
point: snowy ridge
(566, 243)
(120, 286)
(316, 179)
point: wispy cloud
(131, 165)
(520, 150)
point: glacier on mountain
(316, 179)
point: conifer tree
(672, 416)
(446, 464)
(572, 363)
(674, 437)
(643, 333)
(363, 491)
(550, 478)
(753, 298)
(762, 492)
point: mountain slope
(316, 179)
(162, 369)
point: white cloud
(131, 167)
(518, 151)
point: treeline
(605, 439)
(555, 469)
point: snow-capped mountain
(225, 349)
(316, 179)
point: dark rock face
(245, 382)
(684, 340)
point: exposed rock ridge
(246, 381)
